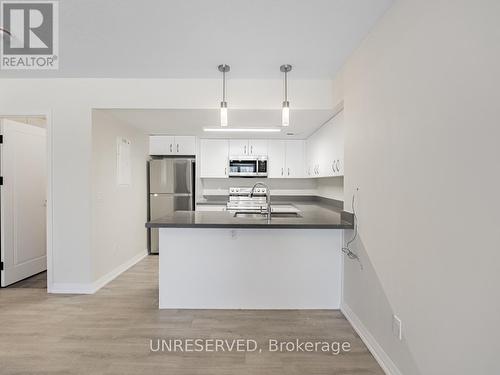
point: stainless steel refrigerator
(171, 188)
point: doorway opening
(23, 201)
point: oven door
(243, 167)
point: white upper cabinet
(185, 145)
(325, 149)
(172, 145)
(295, 159)
(238, 147)
(258, 147)
(214, 154)
(286, 159)
(161, 145)
(247, 147)
(276, 159)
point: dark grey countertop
(313, 215)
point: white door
(276, 159)
(238, 147)
(214, 158)
(185, 145)
(257, 147)
(161, 145)
(295, 159)
(23, 201)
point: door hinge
(1, 266)
(1, 138)
(1, 180)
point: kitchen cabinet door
(185, 145)
(276, 159)
(312, 156)
(238, 147)
(257, 147)
(339, 137)
(161, 145)
(214, 158)
(295, 159)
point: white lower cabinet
(214, 154)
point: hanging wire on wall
(347, 248)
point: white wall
(330, 187)
(69, 103)
(421, 101)
(118, 212)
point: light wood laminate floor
(110, 332)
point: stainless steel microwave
(248, 166)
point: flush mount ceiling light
(285, 114)
(243, 130)
(223, 68)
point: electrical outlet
(397, 327)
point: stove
(240, 200)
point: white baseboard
(70, 288)
(373, 346)
(91, 288)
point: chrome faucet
(268, 197)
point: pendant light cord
(224, 86)
(286, 86)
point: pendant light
(223, 68)
(285, 114)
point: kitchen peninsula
(221, 260)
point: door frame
(50, 201)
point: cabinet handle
(338, 162)
(282, 171)
(251, 150)
(333, 167)
(177, 148)
(289, 171)
(170, 147)
(225, 171)
(245, 150)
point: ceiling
(189, 38)
(192, 121)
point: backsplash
(288, 186)
(332, 188)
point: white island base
(223, 268)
